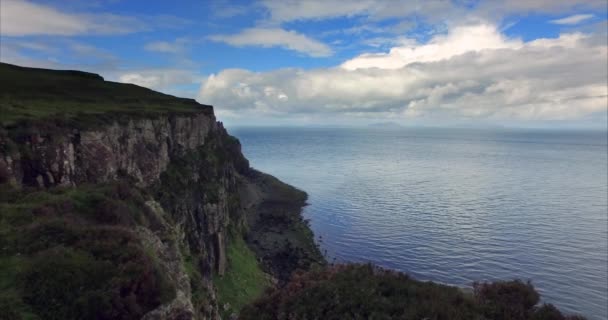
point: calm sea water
(455, 206)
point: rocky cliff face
(52, 154)
(189, 163)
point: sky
(525, 63)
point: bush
(75, 255)
(366, 292)
(360, 292)
(506, 299)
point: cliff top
(36, 94)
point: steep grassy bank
(244, 280)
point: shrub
(366, 292)
(78, 255)
(506, 299)
(360, 292)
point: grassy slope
(32, 94)
(244, 280)
(69, 253)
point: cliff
(89, 168)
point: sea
(455, 206)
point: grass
(36, 94)
(11, 302)
(70, 253)
(244, 280)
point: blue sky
(524, 63)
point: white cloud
(473, 72)
(275, 37)
(55, 53)
(431, 10)
(290, 10)
(163, 46)
(22, 18)
(524, 6)
(293, 10)
(163, 79)
(574, 19)
(177, 46)
(458, 41)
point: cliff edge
(119, 202)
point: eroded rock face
(141, 148)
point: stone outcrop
(53, 155)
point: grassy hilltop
(33, 94)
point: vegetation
(35, 94)
(244, 280)
(367, 292)
(70, 253)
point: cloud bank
(472, 72)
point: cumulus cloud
(572, 20)
(276, 37)
(473, 72)
(460, 40)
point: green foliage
(243, 281)
(368, 292)
(200, 295)
(507, 299)
(12, 306)
(514, 300)
(30, 94)
(71, 253)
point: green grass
(244, 280)
(35, 94)
(70, 253)
(12, 305)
